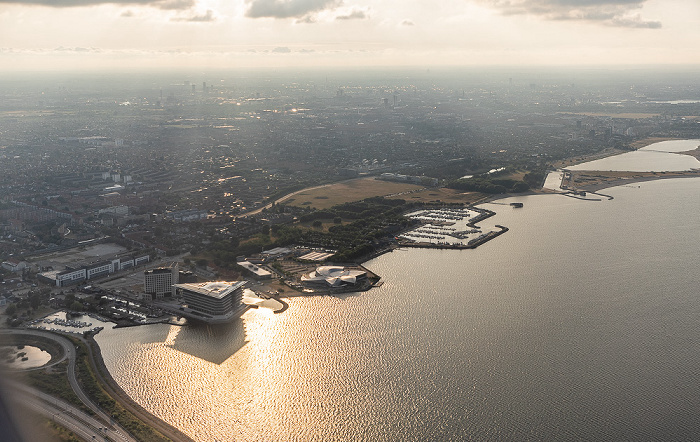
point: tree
(11, 309)
(317, 224)
(34, 301)
(76, 306)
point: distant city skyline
(214, 34)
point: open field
(445, 195)
(93, 252)
(348, 191)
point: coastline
(138, 410)
(115, 391)
(615, 181)
(596, 180)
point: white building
(75, 275)
(159, 282)
(334, 276)
(255, 270)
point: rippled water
(581, 322)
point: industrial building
(79, 273)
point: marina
(450, 228)
(62, 321)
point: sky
(125, 34)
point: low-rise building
(257, 271)
(334, 276)
(14, 265)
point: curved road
(69, 349)
(66, 415)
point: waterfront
(579, 323)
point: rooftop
(213, 289)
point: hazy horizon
(50, 35)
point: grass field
(445, 195)
(347, 191)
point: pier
(449, 228)
(473, 244)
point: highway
(66, 415)
(116, 432)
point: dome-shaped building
(334, 276)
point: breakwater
(472, 244)
(441, 223)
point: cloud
(161, 4)
(408, 23)
(308, 19)
(203, 18)
(127, 13)
(635, 22)
(287, 8)
(355, 14)
(607, 12)
(76, 50)
(174, 4)
(281, 50)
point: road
(66, 415)
(70, 352)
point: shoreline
(622, 181)
(118, 394)
(141, 412)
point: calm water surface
(658, 157)
(580, 323)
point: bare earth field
(693, 153)
(348, 191)
(596, 180)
